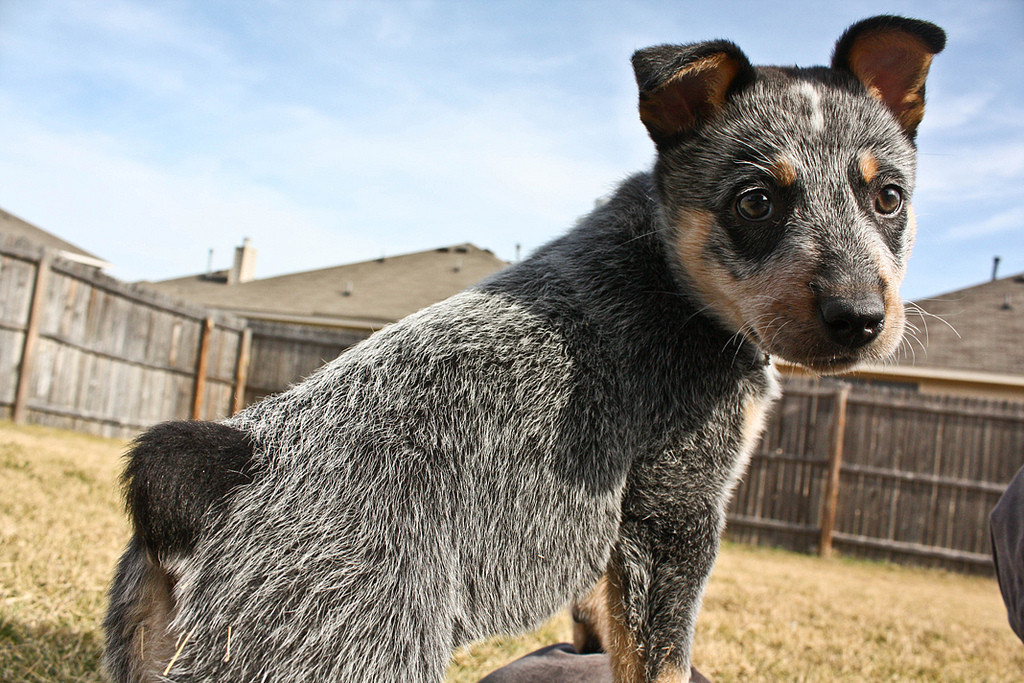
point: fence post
(242, 370)
(830, 501)
(28, 348)
(201, 363)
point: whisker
(923, 314)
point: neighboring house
(299, 321)
(361, 296)
(969, 341)
(977, 329)
(14, 229)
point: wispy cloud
(957, 110)
(152, 221)
(377, 154)
(986, 169)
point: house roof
(364, 294)
(979, 328)
(15, 229)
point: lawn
(768, 615)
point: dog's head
(786, 192)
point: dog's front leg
(653, 591)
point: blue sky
(149, 132)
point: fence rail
(284, 353)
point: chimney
(995, 267)
(245, 264)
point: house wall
(931, 381)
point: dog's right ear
(682, 86)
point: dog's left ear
(890, 56)
(683, 86)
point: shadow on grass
(48, 654)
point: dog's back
(423, 445)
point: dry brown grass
(61, 529)
(769, 615)
(776, 616)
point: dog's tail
(179, 475)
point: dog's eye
(754, 205)
(889, 200)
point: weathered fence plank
(830, 499)
(202, 365)
(242, 371)
(283, 354)
(31, 339)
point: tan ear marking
(691, 94)
(893, 66)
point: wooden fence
(81, 350)
(284, 353)
(897, 476)
(905, 477)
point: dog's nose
(853, 322)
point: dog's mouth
(820, 361)
(825, 332)
(818, 354)
(829, 365)
(809, 345)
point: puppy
(579, 419)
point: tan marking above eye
(784, 170)
(868, 165)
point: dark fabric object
(561, 664)
(1007, 524)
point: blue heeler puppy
(578, 420)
